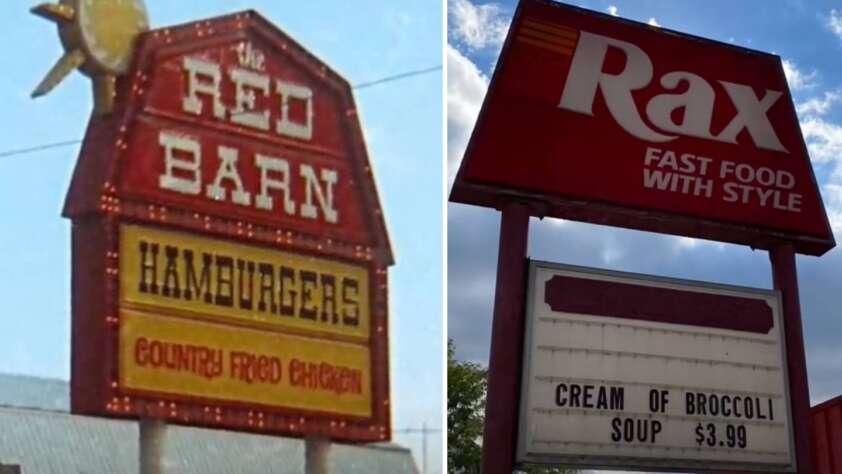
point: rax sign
(586, 76)
(229, 252)
(594, 118)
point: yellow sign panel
(213, 362)
(226, 281)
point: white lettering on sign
(286, 126)
(268, 164)
(204, 80)
(228, 171)
(182, 174)
(586, 76)
(251, 57)
(325, 197)
(175, 145)
(734, 183)
(636, 372)
(246, 83)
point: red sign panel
(282, 189)
(611, 121)
(229, 250)
(290, 161)
(826, 423)
(660, 305)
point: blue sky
(808, 37)
(364, 41)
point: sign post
(500, 430)
(316, 455)
(785, 280)
(152, 440)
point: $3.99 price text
(734, 436)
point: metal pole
(316, 454)
(424, 447)
(500, 430)
(785, 279)
(152, 434)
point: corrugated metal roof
(44, 439)
(54, 442)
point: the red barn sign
(604, 120)
(229, 249)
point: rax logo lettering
(586, 76)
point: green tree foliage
(466, 385)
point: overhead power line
(363, 85)
(23, 151)
(397, 77)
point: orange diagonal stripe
(549, 46)
(557, 30)
(534, 34)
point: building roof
(38, 433)
(25, 391)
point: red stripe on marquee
(662, 305)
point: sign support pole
(152, 433)
(316, 454)
(424, 448)
(785, 280)
(500, 430)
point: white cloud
(832, 194)
(688, 242)
(819, 106)
(835, 22)
(476, 26)
(612, 10)
(797, 78)
(824, 141)
(653, 22)
(681, 244)
(610, 253)
(466, 87)
(827, 360)
(555, 221)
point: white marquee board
(657, 383)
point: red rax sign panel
(604, 118)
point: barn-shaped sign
(230, 252)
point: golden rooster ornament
(98, 38)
